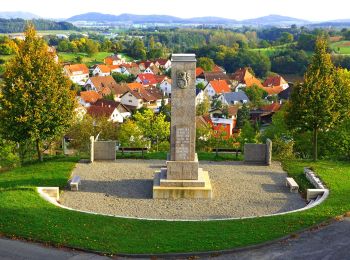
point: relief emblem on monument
(182, 79)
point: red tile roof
(104, 68)
(274, 81)
(274, 107)
(161, 62)
(90, 96)
(147, 79)
(245, 77)
(218, 69)
(220, 86)
(199, 71)
(75, 68)
(135, 85)
(99, 111)
(104, 84)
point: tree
(286, 37)
(243, 114)
(256, 95)
(154, 127)
(203, 107)
(200, 85)
(91, 47)
(138, 50)
(205, 63)
(37, 103)
(315, 104)
(130, 135)
(248, 134)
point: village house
(217, 87)
(164, 64)
(101, 70)
(206, 76)
(77, 73)
(222, 126)
(114, 60)
(132, 68)
(143, 65)
(119, 90)
(244, 78)
(147, 79)
(111, 113)
(143, 97)
(122, 109)
(115, 68)
(102, 85)
(233, 98)
(264, 113)
(165, 86)
(87, 98)
(275, 85)
(229, 112)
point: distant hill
(275, 20)
(139, 19)
(18, 25)
(21, 15)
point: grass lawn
(88, 60)
(341, 47)
(24, 214)
(273, 49)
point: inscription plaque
(182, 143)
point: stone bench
(74, 183)
(235, 151)
(291, 183)
(133, 150)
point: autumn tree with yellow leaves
(37, 103)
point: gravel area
(124, 188)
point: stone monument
(182, 178)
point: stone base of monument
(164, 188)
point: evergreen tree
(37, 103)
(315, 104)
(243, 114)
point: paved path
(329, 242)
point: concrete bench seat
(133, 150)
(74, 183)
(291, 183)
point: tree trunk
(40, 155)
(314, 144)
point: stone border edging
(314, 203)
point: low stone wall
(102, 150)
(258, 153)
(320, 189)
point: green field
(273, 49)
(24, 214)
(88, 60)
(341, 47)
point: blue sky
(314, 10)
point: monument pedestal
(164, 188)
(182, 179)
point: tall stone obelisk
(182, 178)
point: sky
(312, 10)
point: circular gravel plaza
(124, 188)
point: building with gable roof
(77, 73)
(217, 87)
